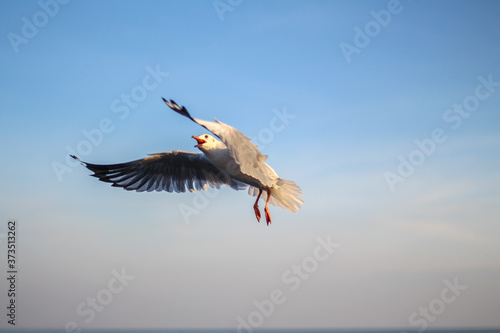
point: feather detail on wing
(241, 149)
(174, 171)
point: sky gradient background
(352, 120)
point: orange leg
(266, 210)
(256, 207)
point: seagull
(231, 160)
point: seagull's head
(207, 142)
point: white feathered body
(284, 193)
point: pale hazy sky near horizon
(386, 113)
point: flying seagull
(232, 160)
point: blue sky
(395, 147)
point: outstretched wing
(241, 149)
(173, 171)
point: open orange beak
(199, 140)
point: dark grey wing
(241, 149)
(173, 171)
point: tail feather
(285, 194)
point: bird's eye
(206, 136)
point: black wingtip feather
(79, 160)
(180, 110)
